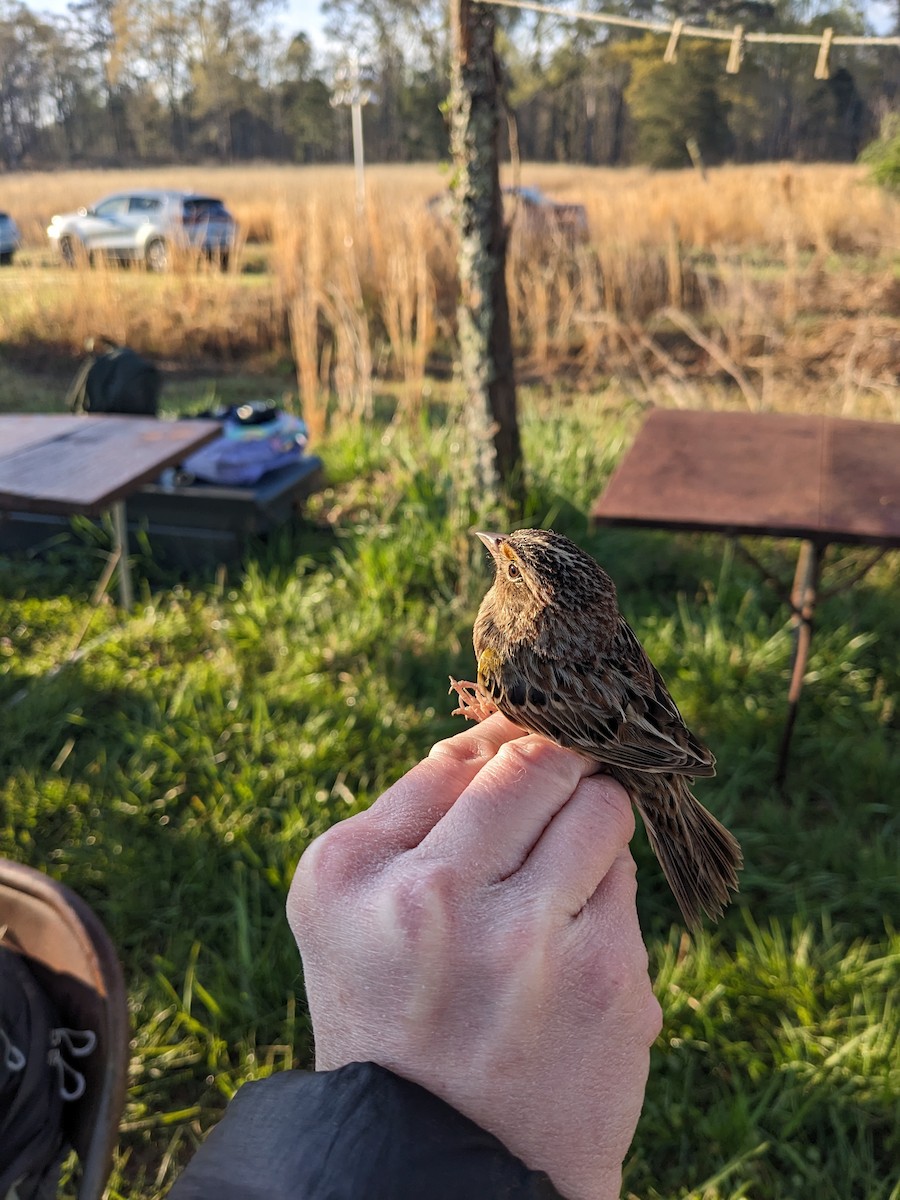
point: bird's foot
(474, 703)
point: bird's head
(539, 572)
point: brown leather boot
(71, 958)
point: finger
(609, 929)
(506, 807)
(614, 899)
(411, 807)
(581, 843)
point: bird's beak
(493, 541)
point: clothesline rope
(678, 28)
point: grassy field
(175, 771)
(777, 278)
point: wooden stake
(823, 70)
(671, 54)
(735, 51)
(693, 149)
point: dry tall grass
(826, 207)
(763, 276)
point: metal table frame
(822, 480)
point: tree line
(127, 82)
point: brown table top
(821, 478)
(53, 463)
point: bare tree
(484, 329)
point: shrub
(882, 156)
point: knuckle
(324, 864)
(619, 975)
(422, 898)
(617, 808)
(533, 753)
(561, 771)
(331, 870)
(466, 747)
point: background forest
(130, 82)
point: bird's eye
(513, 572)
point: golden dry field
(780, 282)
(827, 207)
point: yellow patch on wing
(489, 662)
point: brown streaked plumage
(556, 656)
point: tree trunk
(484, 331)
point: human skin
(475, 931)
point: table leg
(803, 605)
(120, 526)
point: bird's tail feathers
(698, 855)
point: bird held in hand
(557, 657)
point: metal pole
(120, 527)
(352, 90)
(356, 120)
(803, 603)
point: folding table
(87, 464)
(818, 479)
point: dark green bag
(117, 382)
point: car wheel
(156, 255)
(6, 258)
(69, 248)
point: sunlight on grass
(174, 774)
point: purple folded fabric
(240, 461)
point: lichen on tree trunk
(484, 330)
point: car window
(532, 196)
(144, 204)
(202, 208)
(116, 206)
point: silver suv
(148, 226)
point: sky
(304, 16)
(297, 16)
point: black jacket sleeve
(358, 1133)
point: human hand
(475, 931)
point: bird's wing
(615, 708)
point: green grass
(175, 772)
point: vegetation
(137, 82)
(883, 155)
(174, 770)
(671, 103)
(779, 278)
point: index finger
(410, 808)
(505, 810)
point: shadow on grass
(69, 561)
(96, 794)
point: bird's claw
(474, 703)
